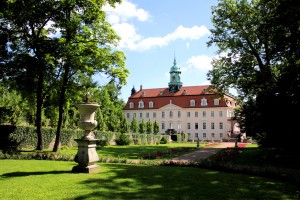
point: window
(162, 125)
(192, 103)
(212, 125)
(203, 102)
(171, 114)
(212, 135)
(204, 125)
(147, 115)
(221, 125)
(189, 125)
(131, 105)
(179, 114)
(163, 114)
(204, 135)
(204, 114)
(188, 114)
(220, 113)
(216, 102)
(179, 126)
(141, 104)
(212, 113)
(196, 126)
(134, 115)
(221, 135)
(154, 115)
(128, 115)
(141, 115)
(151, 104)
(196, 135)
(171, 125)
(196, 114)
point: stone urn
(87, 120)
(87, 156)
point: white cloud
(125, 11)
(120, 17)
(200, 62)
(193, 33)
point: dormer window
(216, 102)
(151, 104)
(141, 104)
(203, 102)
(192, 103)
(131, 105)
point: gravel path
(203, 153)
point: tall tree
(149, 126)
(142, 127)
(29, 57)
(155, 127)
(259, 44)
(134, 126)
(86, 38)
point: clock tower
(175, 84)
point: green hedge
(26, 136)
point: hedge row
(26, 137)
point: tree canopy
(258, 45)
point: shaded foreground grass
(32, 179)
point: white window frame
(203, 102)
(131, 105)
(192, 103)
(141, 104)
(216, 102)
(151, 104)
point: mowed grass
(42, 179)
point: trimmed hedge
(26, 136)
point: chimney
(141, 87)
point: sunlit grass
(32, 179)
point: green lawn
(41, 179)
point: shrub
(102, 143)
(163, 140)
(123, 139)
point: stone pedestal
(86, 156)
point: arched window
(131, 105)
(151, 104)
(203, 102)
(141, 104)
(192, 103)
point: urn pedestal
(87, 156)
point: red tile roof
(162, 97)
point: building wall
(188, 119)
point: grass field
(42, 179)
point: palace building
(184, 109)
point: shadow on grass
(21, 174)
(154, 182)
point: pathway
(203, 153)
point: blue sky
(153, 31)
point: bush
(163, 140)
(123, 139)
(102, 143)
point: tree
(142, 127)
(149, 127)
(134, 126)
(155, 127)
(86, 38)
(125, 128)
(258, 44)
(28, 54)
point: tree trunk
(39, 105)
(62, 98)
